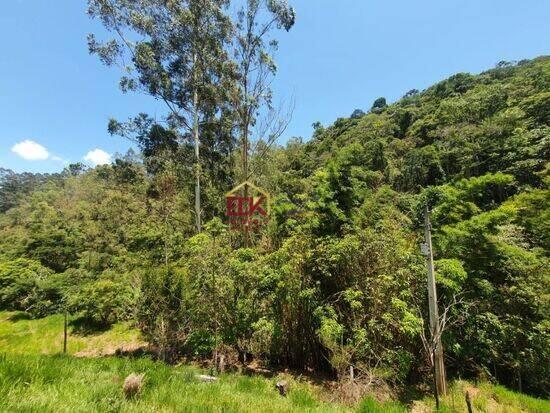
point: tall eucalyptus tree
(174, 51)
(253, 49)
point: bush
(102, 302)
(162, 310)
(20, 282)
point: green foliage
(486, 397)
(102, 302)
(34, 376)
(261, 340)
(161, 311)
(450, 274)
(378, 105)
(370, 405)
(22, 335)
(14, 187)
(66, 384)
(337, 278)
(22, 285)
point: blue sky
(341, 55)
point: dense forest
(336, 279)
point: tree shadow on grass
(135, 352)
(19, 316)
(84, 327)
(408, 394)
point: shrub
(162, 310)
(20, 280)
(102, 302)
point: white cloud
(98, 157)
(30, 150)
(57, 159)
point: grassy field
(35, 377)
(68, 384)
(20, 335)
(486, 397)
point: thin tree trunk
(197, 155)
(166, 241)
(246, 125)
(65, 322)
(245, 171)
(245, 148)
(215, 355)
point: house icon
(246, 199)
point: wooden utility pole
(439, 365)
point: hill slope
(336, 279)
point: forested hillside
(337, 278)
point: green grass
(370, 405)
(519, 401)
(487, 397)
(68, 384)
(19, 335)
(35, 377)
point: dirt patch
(494, 407)
(257, 369)
(474, 391)
(123, 350)
(420, 407)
